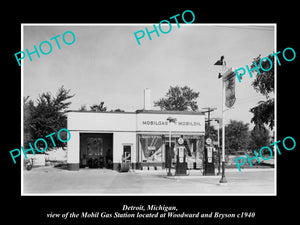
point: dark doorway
(96, 150)
(127, 153)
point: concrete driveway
(54, 181)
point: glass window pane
(151, 148)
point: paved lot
(49, 180)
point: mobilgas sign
(166, 123)
(158, 122)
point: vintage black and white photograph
(149, 109)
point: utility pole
(208, 111)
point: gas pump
(181, 151)
(209, 166)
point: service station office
(100, 139)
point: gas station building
(101, 139)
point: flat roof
(142, 111)
(79, 111)
(169, 112)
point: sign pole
(169, 152)
(223, 179)
(219, 156)
(226, 76)
(170, 120)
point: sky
(105, 63)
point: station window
(151, 148)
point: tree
(98, 108)
(28, 107)
(212, 131)
(237, 136)
(263, 113)
(264, 82)
(259, 137)
(46, 117)
(179, 99)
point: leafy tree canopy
(237, 135)
(46, 116)
(259, 137)
(179, 99)
(263, 83)
(98, 108)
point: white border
(146, 24)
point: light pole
(170, 120)
(228, 76)
(221, 62)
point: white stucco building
(99, 139)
